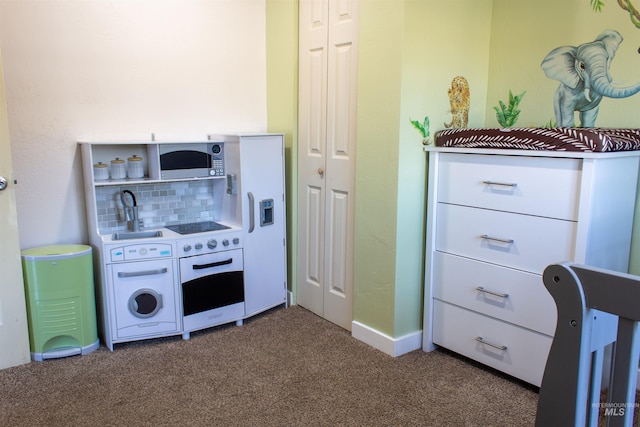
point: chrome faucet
(131, 211)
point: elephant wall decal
(583, 72)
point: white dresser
(495, 220)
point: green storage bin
(60, 294)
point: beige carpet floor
(286, 367)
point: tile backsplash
(159, 204)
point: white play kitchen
(187, 235)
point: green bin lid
(55, 252)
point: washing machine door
(144, 299)
(145, 303)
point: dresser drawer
(522, 298)
(537, 186)
(529, 243)
(524, 354)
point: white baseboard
(383, 342)
(398, 346)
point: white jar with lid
(134, 167)
(100, 171)
(118, 169)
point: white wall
(97, 69)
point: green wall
(429, 63)
(379, 100)
(409, 53)
(518, 47)
(282, 105)
(410, 50)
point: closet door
(326, 157)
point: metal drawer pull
(141, 273)
(486, 291)
(499, 347)
(504, 184)
(497, 239)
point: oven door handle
(252, 221)
(213, 264)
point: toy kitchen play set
(187, 235)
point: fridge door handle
(252, 220)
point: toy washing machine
(144, 296)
